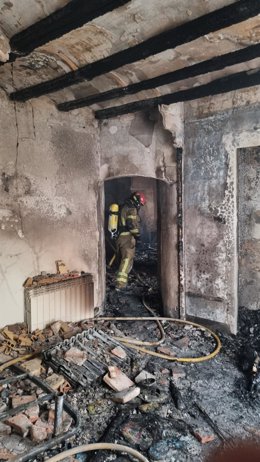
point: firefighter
(129, 232)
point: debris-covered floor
(174, 411)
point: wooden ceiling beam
(226, 84)
(211, 22)
(204, 67)
(73, 15)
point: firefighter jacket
(129, 220)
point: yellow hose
(14, 361)
(140, 342)
(98, 447)
(129, 342)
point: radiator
(68, 300)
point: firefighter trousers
(126, 250)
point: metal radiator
(68, 300)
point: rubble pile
(27, 412)
(169, 411)
(15, 340)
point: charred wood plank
(204, 67)
(211, 22)
(73, 15)
(231, 82)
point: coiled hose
(138, 346)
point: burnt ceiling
(130, 53)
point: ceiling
(118, 30)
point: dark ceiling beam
(73, 15)
(204, 67)
(232, 82)
(211, 22)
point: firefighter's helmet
(138, 198)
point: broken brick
(24, 340)
(9, 334)
(55, 327)
(178, 373)
(55, 381)
(145, 377)
(32, 413)
(165, 371)
(5, 429)
(71, 333)
(65, 326)
(75, 356)
(24, 399)
(38, 432)
(182, 342)
(119, 381)
(203, 439)
(119, 352)
(5, 454)
(33, 366)
(126, 395)
(166, 351)
(20, 423)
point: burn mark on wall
(16, 186)
(142, 128)
(209, 241)
(249, 229)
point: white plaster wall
(214, 129)
(137, 145)
(49, 167)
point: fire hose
(137, 344)
(99, 447)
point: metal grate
(98, 345)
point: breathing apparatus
(113, 220)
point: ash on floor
(191, 408)
(184, 410)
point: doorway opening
(155, 269)
(146, 257)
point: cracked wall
(214, 129)
(49, 168)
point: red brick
(38, 433)
(32, 413)
(203, 439)
(20, 423)
(24, 399)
